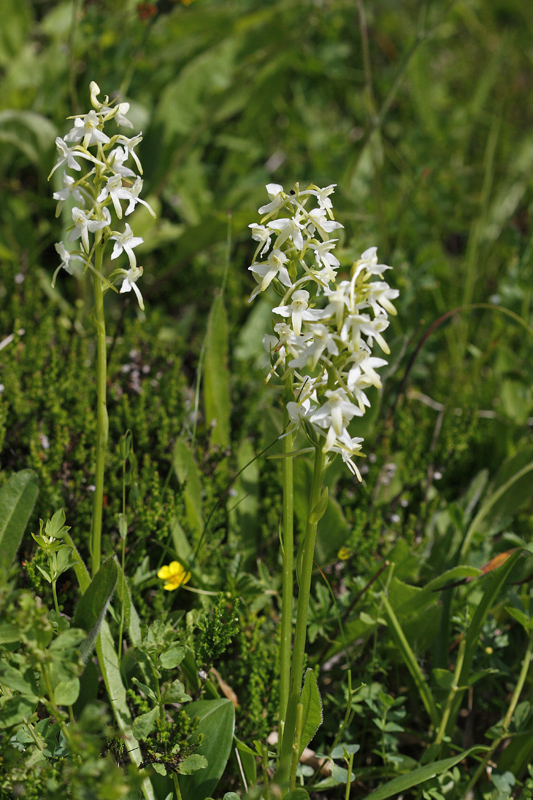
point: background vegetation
(421, 113)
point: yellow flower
(174, 575)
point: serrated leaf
(312, 710)
(144, 725)
(17, 498)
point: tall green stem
(300, 634)
(102, 420)
(288, 578)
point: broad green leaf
(67, 692)
(340, 774)
(312, 709)
(345, 749)
(172, 657)
(189, 474)
(110, 667)
(418, 776)
(23, 682)
(217, 721)
(297, 794)
(17, 498)
(13, 709)
(145, 723)
(216, 393)
(93, 604)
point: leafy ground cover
(419, 630)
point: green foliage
(216, 631)
(432, 153)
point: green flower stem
(288, 578)
(176, 786)
(452, 693)
(300, 635)
(508, 717)
(102, 419)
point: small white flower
(66, 156)
(129, 148)
(126, 241)
(323, 257)
(273, 268)
(132, 195)
(66, 257)
(261, 234)
(83, 223)
(289, 228)
(130, 282)
(380, 295)
(69, 190)
(348, 447)
(114, 190)
(87, 129)
(335, 414)
(299, 310)
(322, 195)
(318, 219)
(116, 160)
(277, 198)
(120, 116)
(322, 339)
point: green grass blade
(418, 776)
(216, 391)
(411, 663)
(110, 667)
